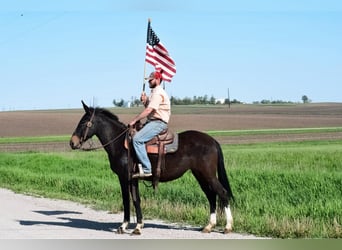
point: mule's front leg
(136, 202)
(126, 203)
(122, 229)
(138, 229)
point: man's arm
(142, 115)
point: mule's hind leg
(211, 196)
(212, 219)
(229, 220)
(224, 204)
(212, 189)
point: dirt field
(239, 117)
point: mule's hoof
(120, 230)
(206, 230)
(136, 231)
(227, 230)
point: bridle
(89, 125)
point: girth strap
(160, 165)
(156, 146)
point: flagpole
(144, 79)
(143, 89)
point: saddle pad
(169, 148)
(172, 147)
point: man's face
(152, 83)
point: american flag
(158, 56)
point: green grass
(288, 189)
(285, 190)
(81, 176)
(275, 131)
(32, 139)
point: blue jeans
(150, 130)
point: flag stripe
(161, 60)
(151, 52)
(163, 65)
(167, 70)
(155, 53)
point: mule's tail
(222, 175)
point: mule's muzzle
(75, 142)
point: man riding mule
(157, 111)
(197, 152)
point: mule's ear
(85, 107)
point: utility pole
(228, 99)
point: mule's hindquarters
(206, 161)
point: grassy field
(285, 190)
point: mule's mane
(109, 115)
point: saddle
(164, 143)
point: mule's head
(84, 129)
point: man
(157, 111)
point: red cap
(154, 75)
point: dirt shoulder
(27, 217)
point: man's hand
(143, 98)
(132, 123)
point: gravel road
(27, 217)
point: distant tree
(118, 103)
(227, 101)
(234, 101)
(205, 99)
(212, 100)
(186, 101)
(305, 99)
(265, 101)
(136, 102)
(195, 100)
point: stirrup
(141, 173)
(142, 176)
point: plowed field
(203, 118)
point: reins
(106, 144)
(89, 125)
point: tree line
(206, 100)
(179, 101)
(200, 100)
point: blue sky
(53, 54)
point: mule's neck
(111, 135)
